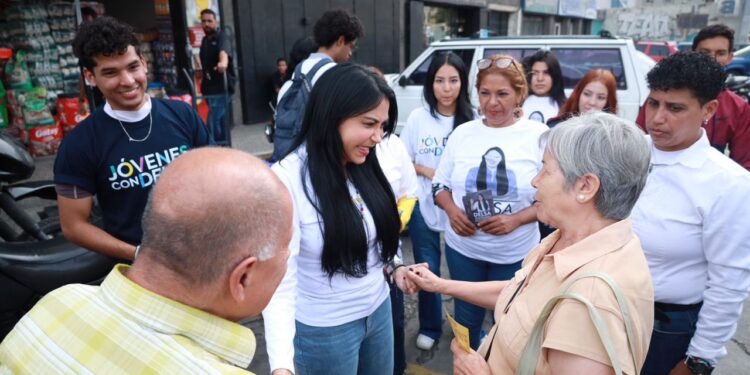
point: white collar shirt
(692, 220)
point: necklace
(131, 139)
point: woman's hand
(421, 170)
(460, 222)
(500, 224)
(420, 275)
(403, 282)
(468, 363)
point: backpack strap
(532, 350)
(308, 78)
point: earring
(517, 112)
(705, 121)
(581, 197)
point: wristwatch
(698, 366)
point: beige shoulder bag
(532, 350)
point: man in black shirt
(279, 77)
(216, 60)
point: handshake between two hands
(416, 277)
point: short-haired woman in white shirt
(447, 105)
(495, 156)
(345, 230)
(692, 220)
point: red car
(657, 50)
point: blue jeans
(363, 346)
(217, 109)
(426, 246)
(670, 341)
(469, 269)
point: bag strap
(308, 78)
(532, 350)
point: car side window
(418, 76)
(576, 62)
(657, 50)
(641, 47)
(517, 53)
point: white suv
(577, 55)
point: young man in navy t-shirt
(118, 152)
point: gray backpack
(291, 109)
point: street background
(250, 138)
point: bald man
(205, 263)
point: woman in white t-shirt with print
(332, 312)
(546, 88)
(496, 157)
(446, 94)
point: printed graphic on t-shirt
(479, 205)
(493, 175)
(432, 145)
(537, 116)
(143, 171)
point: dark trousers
(674, 326)
(397, 311)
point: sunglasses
(502, 63)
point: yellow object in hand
(405, 208)
(460, 332)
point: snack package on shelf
(17, 72)
(34, 107)
(45, 139)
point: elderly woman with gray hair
(583, 298)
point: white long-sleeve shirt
(692, 219)
(306, 293)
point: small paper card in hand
(461, 332)
(479, 205)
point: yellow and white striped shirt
(122, 328)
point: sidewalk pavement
(251, 138)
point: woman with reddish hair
(596, 91)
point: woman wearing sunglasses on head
(583, 301)
(495, 157)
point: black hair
(697, 72)
(558, 89)
(88, 11)
(501, 177)
(208, 11)
(301, 49)
(280, 59)
(103, 36)
(344, 92)
(464, 111)
(335, 23)
(713, 31)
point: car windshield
(742, 52)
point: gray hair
(612, 149)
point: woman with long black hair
(446, 95)
(546, 86)
(346, 229)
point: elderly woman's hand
(461, 223)
(468, 363)
(500, 224)
(421, 276)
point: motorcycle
(37, 259)
(740, 85)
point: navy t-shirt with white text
(98, 157)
